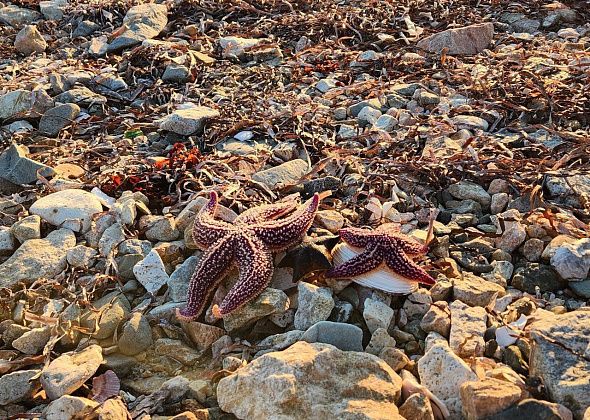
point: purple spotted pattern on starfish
(248, 242)
(383, 246)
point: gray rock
(18, 127)
(188, 121)
(27, 228)
(176, 73)
(279, 341)
(151, 272)
(12, 332)
(386, 122)
(560, 357)
(22, 103)
(249, 49)
(112, 310)
(125, 264)
(180, 278)
(53, 9)
(581, 288)
(177, 351)
(324, 85)
(368, 116)
(269, 302)
(82, 96)
(377, 314)
(7, 241)
(346, 337)
(465, 190)
(143, 22)
(533, 409)
(69, 371)
(437, 319)
(69, 407)
(470, 122)
(468, 325)
(55, 119)
(15, 167)
(16, 16)
(85, 28)
(285, 174)
(136, 335)
(81, 256)
(572, 261)
(374, 103)
(314, 305)
(111, 81)
(475, 291)
(110, 239)
(29, 40)
(160, 228)
(38, 258)
(380, 340)
(417, 303)
(33, 341)
(533, 275)
(72, 209)
(499, 202)
(15, 386)
(468, 40)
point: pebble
(15, 386)
(269, 302)
(368, 116)
(377, 315)
(532, 275)
(487, 397)
(17, 16)
(27, 228)
(69, 407)
(72, 209)
(314, 305)
(330, 219)
(532, 249)
(81, 256)
(470, 122)
(417, 407)
(69, 371)
(437, 319)
(395, 358)
(188, 121)
(136, 335)
(15, 166)
(7, 241)
(324, 85)
(85, 28)
(475, 291)
(33, 341)
(142, 22)
(499, 203)
(159, 228)
(113, 308)
(176, 350)
(467, 40)
(202, 335)
(180, 278)
(380, 339)
(386, 122)
(417, 304)
(468, 325)
(572, 260)
(57, 118)
(29, 40)
(346, 337)
(279, 341)
(110, 239)
(284, 174)
(465, 190)
(151, 273)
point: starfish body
(247, 243)
(384, 247)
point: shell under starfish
(381, 278)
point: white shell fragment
(382, 278)
(508, 334)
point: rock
(284, 174)
(475, 291)
(188, 121)
(324, 85)
(443, 373)
(468, 40)
(57, 118)
(33, 341)
(151, 273)
(534, 409)
(416, 407)
(532, 249)
(125, 264)
(468, 325)
(38, 258)
(248, 49)
(559, 356)
(15, 386)
(581, 288)
(555, 244)
(112, 409)
(293, 384)
(279, 341)
(202, 335)
(346, 337)
(85, 28)
(533, 275)
(395, 358)
(379, 341)
(499, 202)
(111, 82)
(72, 209)
(270, 301)
(572, 260)
(112, 310)
(69, 408)
(386, 122)
(314, 305)
(368, 116)
(437, 319)
(27, 228)
(136, 335)
(7, 241)
(514, 235)
(330, 219)
(377, 315)
(417, 304)
(16, 16)
(487, 397)
(82, 96)
(142, 22)
(177, 350)
(29, 40)
(12, 332)
(110, 239)
(176, 73)
(15, 167)
(81, 256)
(53, 9)
(159, 228)
(180, 278)
(465, 190)
(69, 371)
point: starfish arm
(409, 245)
(356, 237)
(279, 235)
(207, 230)
(399, 262)
(266, 212)
(362, 263)
(213, 266)
(255, 264)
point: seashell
(105, 386)
(381, 278)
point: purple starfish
(248, 242)
(384, 246)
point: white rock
(314, 305)
(151, 273)
(7, 241)
(377, 315)
(468, 325)
(188, 121)
(15, 386)
(69, 407)
(572, 261)
(29, 41)
(72, 209)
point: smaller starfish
(384, 247)
(247, 242)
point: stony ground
(464, 122)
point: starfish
(384, 247)
(247, 242)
